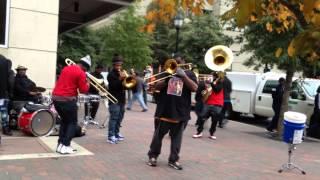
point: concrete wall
(33, 36)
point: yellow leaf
(278, 52)
(269, 27)
(291, 49)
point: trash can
(294, 123)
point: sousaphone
(218, 58)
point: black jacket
(22, 87)
(5, 73)
(227, 88)
(116, 88)
(277, 95)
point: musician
(173, 111)
(6, 86)
(25, 88)
(93, 91)
(115, 79)
(71, 80)
(213, 106)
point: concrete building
(29, 30)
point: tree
(197, 36)
(77, 44)
(295, 20)
(125, 36)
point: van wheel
(258, 117)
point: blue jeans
(4, 112)
(137, 96)
(116, 115)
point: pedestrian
(71, 80)
(276, 104)
(227, 106)
(173, 110)
(314, 125)
(199, 102)
(137, 93)
(6, 87)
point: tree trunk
(285, 99)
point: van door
(298, 100)
(264, 100)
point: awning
(76, 13)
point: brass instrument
(170, 67)
(218, 58)
(96, 83)
(129, 81)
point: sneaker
(198, 135)
(152, 162)
(213, 137)
(128, 109)
(7, 131)
(112, 140)
(59, 146)
(144, 110)
(66, 150)
(175, 165)
(120, 137)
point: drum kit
(42, 119)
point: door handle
(310, 104)
(259, 98)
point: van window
(270, 86)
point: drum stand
(88, 119)
(290, 165)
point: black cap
(117, 59)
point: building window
(4, 18)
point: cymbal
(38, 89)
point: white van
(252, 93)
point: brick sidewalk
(240, 152)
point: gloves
(180, 73)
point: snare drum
(83, 99)
(94, 98)
(37, 123)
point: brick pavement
(240, 152)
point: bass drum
(37, 123)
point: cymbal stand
(290, 165)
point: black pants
(69, 117)
(198, 109)
(226, 107)
(209, 111)
(274, 122)
(93, 110)
(176, 131)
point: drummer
(24, 88)
(94, 92)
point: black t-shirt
(93, 90)
(175, 107)
(116, 88)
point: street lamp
(266, 68)
(178, 21)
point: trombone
(96, 83)
(170, 67)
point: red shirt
(70, 80)
(216, 98)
